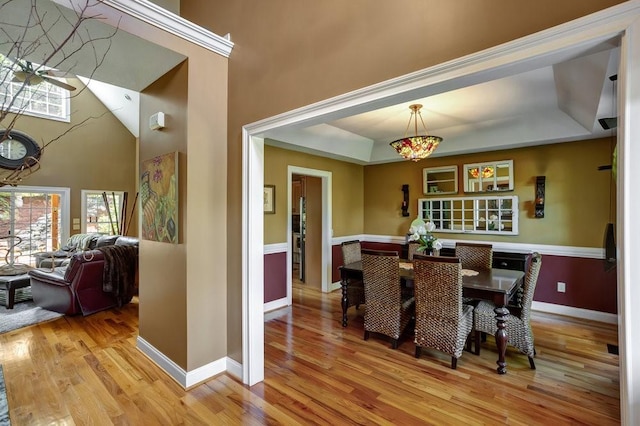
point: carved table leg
(345, 300)
(502, 314)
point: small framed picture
(269, 199)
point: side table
(11, 283)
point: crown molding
(174, 24)
(167, 21)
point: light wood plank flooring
(86, 370)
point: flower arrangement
(422, 233)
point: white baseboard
(575, 312)
(275, 304)
(234, 368)
(184, 378)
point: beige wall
(201, 254)
(166, 332)
(99, 155)
(348, 194)
(576, 199)
(291, 53)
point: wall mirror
(440, 180)
(488, 176)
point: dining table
(496, 285)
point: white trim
(172, 23)
(275, 248)
(327, 196)
(165, 20)
(276, 304)
(570, 311)
(234, 368)
(520, 55)
(185, 378)
(335, 286)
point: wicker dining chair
(475, 256)
(355, 288)
(519, 330)
(443, 322)
(388, 311)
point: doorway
(306, 232)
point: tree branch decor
(39, 41)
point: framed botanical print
(269, 199)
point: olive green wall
(348, 191)
(291, 53)
(99, 154)
(577, 197)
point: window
(102, 212)
(477, 215)
(41, 100)
(32, 220)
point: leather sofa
(79, 287)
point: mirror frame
(495, 184)
(426, 188)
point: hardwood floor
(86, 370)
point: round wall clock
(18, 149)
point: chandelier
(487, 172)
(416, 147)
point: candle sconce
(405, 200)
(539, 201)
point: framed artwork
(269, 199)
(159, 198)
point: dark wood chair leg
(484, 337)
(394, 343)
(454, 363)
(477, 342)
(418, 351)
(366, 335)
(532, 364)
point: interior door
(313, 232)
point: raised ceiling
(558, 102)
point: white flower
(414, 237)
(437, 245)
(422, 230)
(412, 230)
(430, 226)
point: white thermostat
(156, 121)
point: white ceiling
(559, 102)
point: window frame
(85, 220)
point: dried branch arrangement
(46, 42)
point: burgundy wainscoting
(275, 276)
(588, 285)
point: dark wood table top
(495, 280)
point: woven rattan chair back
(530, 282)
(442, 321)
(355, 288)
(412, 249)
(386, 313)
(351, 251)
(519, 330)
(477, 257)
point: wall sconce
(405, 200)
(539, 202)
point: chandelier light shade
(416, 147)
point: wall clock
(18, 149)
